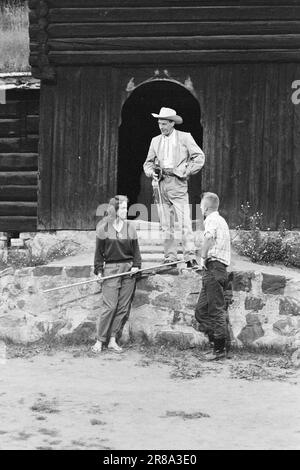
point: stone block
(47, 271)
(78, 271)
(253, 319)
(296, 358)
(292, 288)
(3, 243)
(16, 243)
(191, 300)
(24, 272)
(254, 303)
(289, 306)
(21, 304)
(83, 333)
(140, 298)
(273, 284)
(274, 341)
(17, 327)
(125, 338)
(182, 336)
(253, 329)
(242, 280)
(166, 300)
(26, 236)
(146, 284)
(145, 321)
(250, 333)
(285, 327)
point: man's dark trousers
(211, 309)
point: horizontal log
(23, 96)
(18, 161)
(40, 7)
(157, 3)
(11, 109)
(174, 43)
(20, 178)
(169, 57)
(171, 13)
(44, 73)
(18, 224)
(33, 16)
(33, 3)
(18, 208)
(43, 23)
(18, 193)
(37, 34)
(212, 28)
(33, 61)
(9, 127)
(15, 145)
(39, 47)
(32, 124)
(12, 127)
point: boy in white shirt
(215, 257)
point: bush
(269, 248)
(21, 258)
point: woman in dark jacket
(117, 251)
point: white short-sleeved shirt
(216, 226)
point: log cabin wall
(241, 58)
(19, 127)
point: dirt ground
(147, 398)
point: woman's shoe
(97, 347)
(113, 346)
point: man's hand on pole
(154, 176)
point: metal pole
(114, 276)
(155, 184)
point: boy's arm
(208, 242)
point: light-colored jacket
(188, 156)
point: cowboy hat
(170, 114)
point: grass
(14, 36)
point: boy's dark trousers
(211, 307)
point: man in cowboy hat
(177, 156)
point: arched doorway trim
(187, 85)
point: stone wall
(265, 309)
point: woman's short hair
(114, 205)
(110, 214)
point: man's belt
(167, 172)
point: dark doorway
(137, 129)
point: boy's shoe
(216, 356)
(229, 355)
(210, 350)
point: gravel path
(147, 399)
